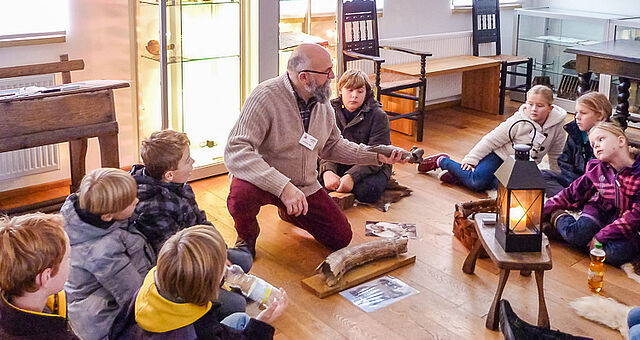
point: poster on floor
(390, 229)
(378, 293)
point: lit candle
(518, 219)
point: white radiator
(441, 88)
(30, 161)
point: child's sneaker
(446, 177)
(430, 163)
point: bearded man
(272, 152)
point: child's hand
(592, 244)
(468, 167)
(275, 309)
(331, 180)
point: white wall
(403, 18)
(99, 34)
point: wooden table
(64, 116)
(480, 78)
(615, 57)
(525, 262)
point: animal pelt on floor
(606, 311)
(394, 192)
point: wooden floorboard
(451, 304)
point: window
(24, 19)
(462, 4)
(298, 8)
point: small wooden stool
(525, 262)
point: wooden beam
(30, 70)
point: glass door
(201, 92)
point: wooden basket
(464, 228)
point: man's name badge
(308, 141)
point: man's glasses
(317, 72)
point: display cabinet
(624, 29)
(544, 34)
(190, 81)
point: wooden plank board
(356, 276)
(446, 65)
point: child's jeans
(633, 320)
(580, 232)
(480, 179)
(238, 321)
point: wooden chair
(358, 40)
(486, 29)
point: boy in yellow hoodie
(175, 300)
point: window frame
(36, 37)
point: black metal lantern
(520, 200)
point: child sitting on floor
(35, 256)
(109, 258)
(478, 167)
(609, 198)
(591, 108)
(360, 119)
(175, 300)
(168, 204)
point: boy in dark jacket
(609, 196)
(175, 300)
(109, 258)
(35, 255)
(168, 204)
(591, 108)
(360, 119)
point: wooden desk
(65, 116)
(525, 262)
(615, 57)
(480, 78)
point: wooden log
(414, 154)
(344, 200)
(341, 261)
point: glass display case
(196, 87)
(625, 29)
(544, 34)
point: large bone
(414, 155)
(341, 261)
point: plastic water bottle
(251, 286)
(596, 268)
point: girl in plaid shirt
(607, 194)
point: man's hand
(294, 199)
(275, 309)
(346, 183)
(468, 167)
(331, 180)
(395, 157)
(592, 244)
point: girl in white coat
(476, 171)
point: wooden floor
(451, 304)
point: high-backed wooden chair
(486, 29)
(358, 40)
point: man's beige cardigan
(263, 147)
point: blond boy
(109, 258)
(35, 264)
(175, 300)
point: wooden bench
(72, 115)
(480, 84)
